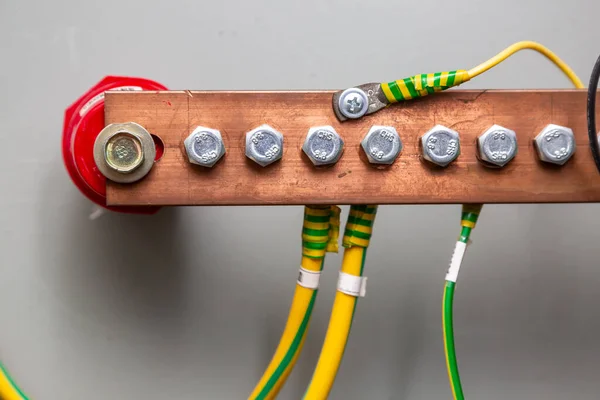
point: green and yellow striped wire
(357, 236)
(470, 214)
(320, 233)
(422, 85)
(8, 388)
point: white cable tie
(456, 261)
(352, 285)
(309, 279)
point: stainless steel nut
(497, 145)
(323, 145)
(204, 146)
(555, 144)
(264, 145)
(441, 145)
(382, 144)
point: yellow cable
(337, 332)
(425, 84)
(357, 235)
(300, 304)
(509, 51)
(320, 233)
(8, 391)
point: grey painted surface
(188, 305)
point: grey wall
(187, 305)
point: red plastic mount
(84, 120)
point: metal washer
(148, 149)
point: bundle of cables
(320, 234)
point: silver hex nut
(555, 144)
(497, 145)
(323, 145)
(204, 146)
(382, 145)
(441, 145)
(264, 145)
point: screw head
(123, 152)
(204, 146)
(264, 145)
(555, 144)
(353, 103)
(323, 145)
(441, 145)
(497, 145)
(382, 145)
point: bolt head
(497, 145)
(441, 145)
(353, 103)
(382, 145)
(123, 152)
(555, 144)
(264, 145)
(323, 145)
(204, 146)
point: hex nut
(204, 146)
(441, 145)
(323, 145)
(264, 145)
(497, 145)
(555, 144)
(382, 145)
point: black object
(591, 113)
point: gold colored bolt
(123, 152)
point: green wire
(448, 318)
(453, 373)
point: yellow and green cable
(8, 388)
(470, 214)
(319, 235)
(357, 236)
(425, 84)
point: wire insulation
(422, 85)
(470, 214)
(320, 225)
(425, 84)
(449, 346)
(8, 388)
(527, 45)
(357, 235)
